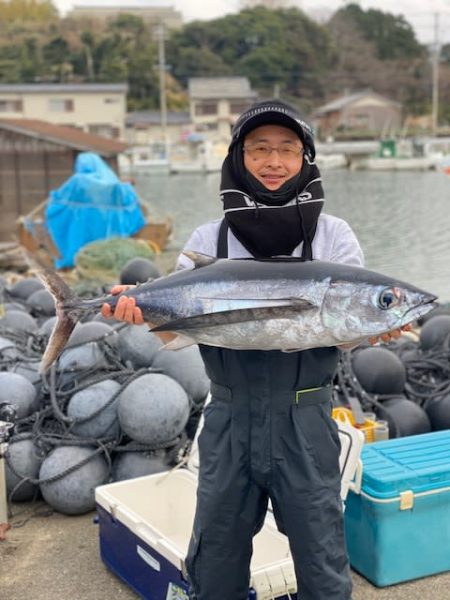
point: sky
(420, 14)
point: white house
(97, 108)
(215, 103)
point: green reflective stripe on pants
(310, 395)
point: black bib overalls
(268, 433)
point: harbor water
(402, 219)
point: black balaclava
(271, 223)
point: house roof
(220, 87)
(349, 99)
(65, 88)
(153, 117)
(64, 136)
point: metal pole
(3, 495)
(161, 34)
(5, 427)
(435, 76)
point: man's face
(273, 154)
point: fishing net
(103, 260)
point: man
(268, 431)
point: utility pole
(160, 35)
(435, 76)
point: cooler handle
(355, 485)
(148, 535)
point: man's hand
(390, 335)
(126, 310)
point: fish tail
(58, 339)
(67, 316)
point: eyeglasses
(286, 151)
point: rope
(51, 427)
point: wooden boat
(32, 233)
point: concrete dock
(50, 556)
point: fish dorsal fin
(199, 260)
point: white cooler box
(145, 525)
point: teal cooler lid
(418, 463)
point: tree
(392, 36)
(55, 54)
(27, 10)
(361, 61)
(270, 47)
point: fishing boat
(399, 155)
(143, 160)
(197, 155)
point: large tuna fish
(275, 304)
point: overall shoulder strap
(307, 250)
(222, 241)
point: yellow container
(341, 413)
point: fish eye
(388, 298)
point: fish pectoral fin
(178, 343)
(227, 317)
(199, 260)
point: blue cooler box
(397, 517)
(145, 526)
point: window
(11, 105)
(236, 108)
(60, 105)
(104, 130)
(206, 109)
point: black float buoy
(8, 349)
(87, 402)
(438, 411)
(438, 311)
(138, 270)
(22, 462)
(128, 465)
(186, 367)
(138, 346)
(16, 390)
(47, 326)
(379, 371)
(25, 287)
(435, 332)
(41, 303)
(92, 331)
(404, 417)
(153, 409)
(20, 320)
(8, 306)
(70, 489)
(30, 370)
(79, 358)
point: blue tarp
(93, 204)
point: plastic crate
(342, 414)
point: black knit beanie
(273, 112)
